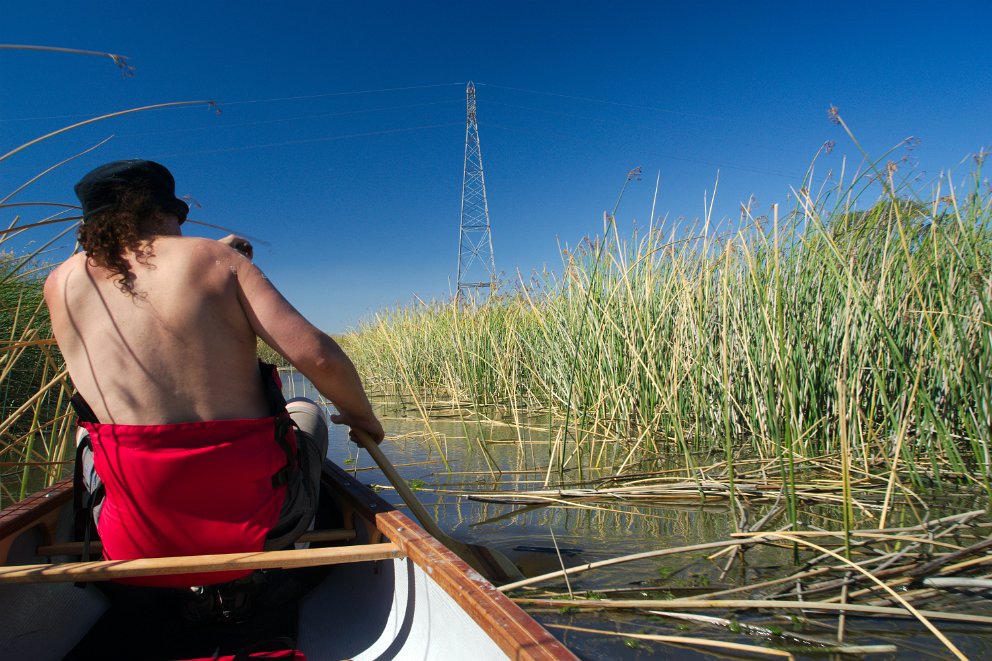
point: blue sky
(341, 137)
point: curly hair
(109, 233)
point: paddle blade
(496, 567)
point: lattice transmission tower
(476, 266)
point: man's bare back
(181, 349)
(157, 328)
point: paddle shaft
(489, 562)
(405, 492)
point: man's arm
(313, 352)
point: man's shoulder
(198, 260)
(59, 273)
(190, 242)
(194, 249)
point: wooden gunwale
(515, 632)
(40, 509)
(510, 627)
(25, 513)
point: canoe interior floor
(162, 623)
(155, 623)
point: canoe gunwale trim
(513, 630)
(40, 509)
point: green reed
(34, 427)
(837, 325)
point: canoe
(372, 585)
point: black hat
(99, 189)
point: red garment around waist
(187, 489)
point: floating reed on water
(909, 571)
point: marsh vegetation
(813, 383)
(841, 327)
(833, 353)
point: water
(491, 456)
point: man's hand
(239, 243)
(369, 425)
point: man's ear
(165, 223)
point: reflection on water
(490, 456)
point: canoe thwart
(107, 570)
(76, 548)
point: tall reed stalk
(839, 326)
(33, 386)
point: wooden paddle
(492, 564)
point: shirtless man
(158, 329)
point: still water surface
(491, 456)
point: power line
(265, 100)
(306, 141)
(587, 139)
(279, 120)
(621, 121)
(330, 94)
(621, 104)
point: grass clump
(34, 425)
(829, 325)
